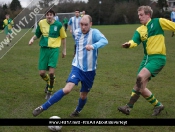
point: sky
(24, 3)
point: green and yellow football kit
(8, 25)
(51, 35)
(151, 36)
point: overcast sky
(24, 3)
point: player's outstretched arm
(126, 45)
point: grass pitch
(22, 89)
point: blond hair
(147, 10)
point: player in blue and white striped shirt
(56, 18)
(73, 24)
(173, 18)
(85, 59)
(84, 64)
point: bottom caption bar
(87, 122)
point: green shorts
(7, 31)
(154, 63)
(48, 57)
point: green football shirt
(51, 34)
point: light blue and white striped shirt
(56, 18)
(74, 22)
(173, 16)
(87, 60)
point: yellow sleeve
(5, 23)
(132, 44)
(167, 24)
(62, 33)
(12, 23)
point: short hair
(90, 18)
(147, 10)
(50, 11)
(77, 10)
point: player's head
(7, 16)
(85, 23)
(77, 13)
(173, 8)
(145, 14)
(50, 15)
(83, 12)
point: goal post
(61, 16)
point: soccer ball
(55, 128)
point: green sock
(134, 97)
(152, 100)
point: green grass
(22, 89)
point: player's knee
(42, 74)
(66, 90)
(83, 96)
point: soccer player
(56, 18)
(173, 18)
(8, 25)
(83, 13)
(73, 24)
(151, 35)
(65, 22)
(51, 33)
(84, 64)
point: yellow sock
(50, 90)
(47, 79)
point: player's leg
(8, 40)
(71, 82)
(135, 92)
(141, 82)
(43, 66)
(52, 77)
(155, 65)
(81, 103)
(7, 35)
(158, 106)
(65, 27)
(57, 96)
(46, 78)
(152, 68)
(53, 54)
(87, 79)
(51, 83)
